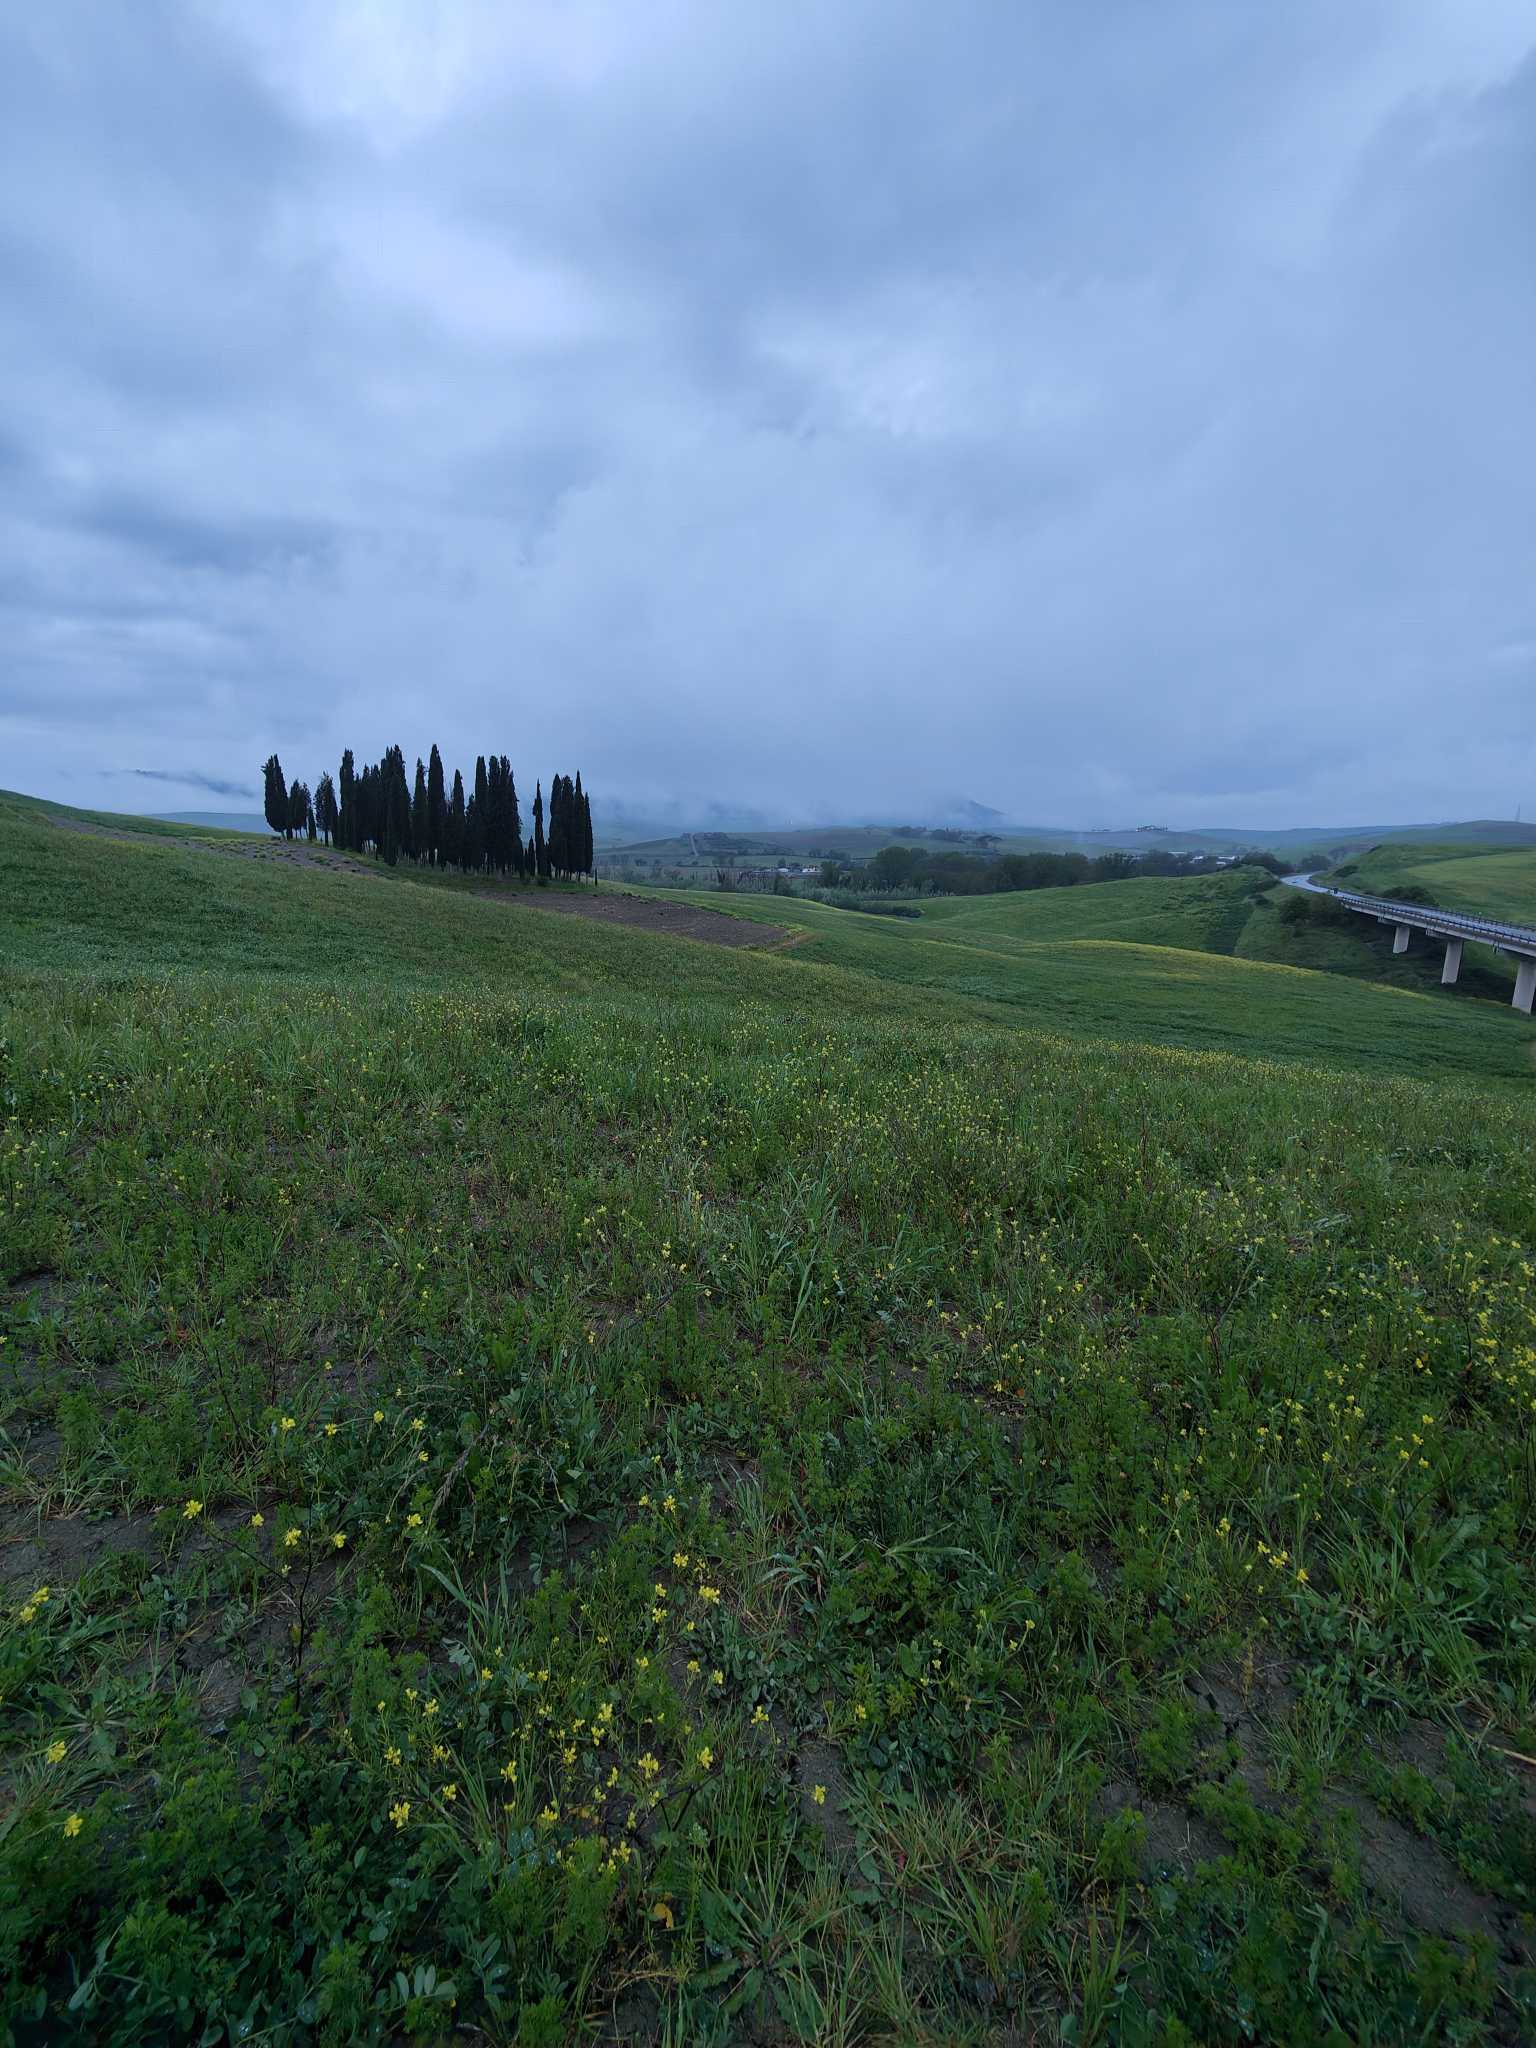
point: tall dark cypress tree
(395, 799)
(540, 851)
(325, 808)
(348, 833)
(582, 827)
(436, 807)
(275, 795)
(419, 841)
(480, 810)
(365, 811)
(514, 821)
(299, 814)
(495, 817)
(556, 840)
(453, 837)
(530, 859)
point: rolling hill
(952, 1479)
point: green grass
(862, 1519)
(1156, 984)
(17, 808)
(1203, 912)
(1485, 883)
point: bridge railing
(1452, 921)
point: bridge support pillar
(1525, 985)
(1452, 967)
(1400, 939)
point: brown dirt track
(650, 914)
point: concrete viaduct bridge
(1449, 925)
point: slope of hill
(13, 805)
(562, 1483)
(1206, 912)
(1486, 882)
(1015, 950)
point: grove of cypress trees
(376, 809)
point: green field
(964, 1480)
(1487, 883)
(1159, 961)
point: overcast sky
(1106, 412)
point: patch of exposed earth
(650, 914)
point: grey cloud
(190, 779)
(1092, 411)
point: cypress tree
(298, 810)
(514, 820)
(480, 807)
(495, 817)
(557, 825)
(530, 859)
(453, 841)
(275, 804)
(540, 851)
(436, 808)
(347, 832)
(395, 806)
(365, 811)
(325, 807)
(419, 840)
(582, 827)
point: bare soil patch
(648, 914)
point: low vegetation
(565, 1484)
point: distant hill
(216, 821)
(706, 844)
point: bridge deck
(1510, 938)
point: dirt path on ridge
(647, 914)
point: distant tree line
(911, 870)
(379, 809)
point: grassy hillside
(1486, 883)
(14, 806)
(1012, 950)
(566, 1485)
(1205, 912)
